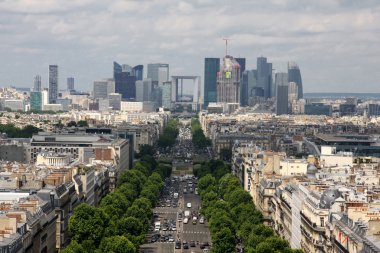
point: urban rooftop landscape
(189, 126)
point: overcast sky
(336, 43)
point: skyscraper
(117, 68)
(138, 72)
(282, 99)
(292, 91)
(264, 76)
(282, 93)
(36, 101)
(37, 83)
(294, 75)
(70, 83)
(144, 90)
(158, 72)
(166, 93)
(125, 81)
(228, 81)
(212, 67)
(244, 89)
(243, 83)
(53, 83)
(103, 88)
(114, 100)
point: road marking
(195, 232)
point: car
(185, 245)
(194, 222)
(188, 205)
(178, 244)
(204, 245)
(201, 220)
(192, 243)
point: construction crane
(226, 39)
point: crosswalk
(165, 212)
(195, 232)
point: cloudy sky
(336, 43)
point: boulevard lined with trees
(232, 215)
(199, 139)
(169, 135)
(121, 222)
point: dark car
(204, 245)
(192, 244)
(177, 244)
(185, 245)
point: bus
(157, 226)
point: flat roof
(345, 138)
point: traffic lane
(195, 201)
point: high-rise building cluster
(228, 82)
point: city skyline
(333, 42)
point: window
(322, 222)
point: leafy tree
(117, 244)
(82, 123)
(74, 247)
(225, 154)
(87, 223)
(135, 177)
(72, 124)
(205, 182)
(129, 225)
(223, 241)
(145, 149)
(238, 196)
(115, 204)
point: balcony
(312, 225)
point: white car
(188, 205)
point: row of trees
(168, 137)
(15, 132)
(121, 222)
(80, 123)
(233, 217)
(199, 139)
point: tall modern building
(292, 91)
(264, 76)
(282, 93)
(280, 78)
(37, 83)
(228, 81)
(125, 81)
(117, 69)
(282, 99)
(103, 88)
(144, 90)
(166, 93)
(114, 101)
(212, 67)
(244, 94)
(158, 72)
(53, 83)
(36, 101)
(243, 85)
(70, 84)
(138, 72)
(294, 74)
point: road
(171, 208)
(184, 232)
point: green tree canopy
(88, 223)
(117, 244)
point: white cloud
(333, 41)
